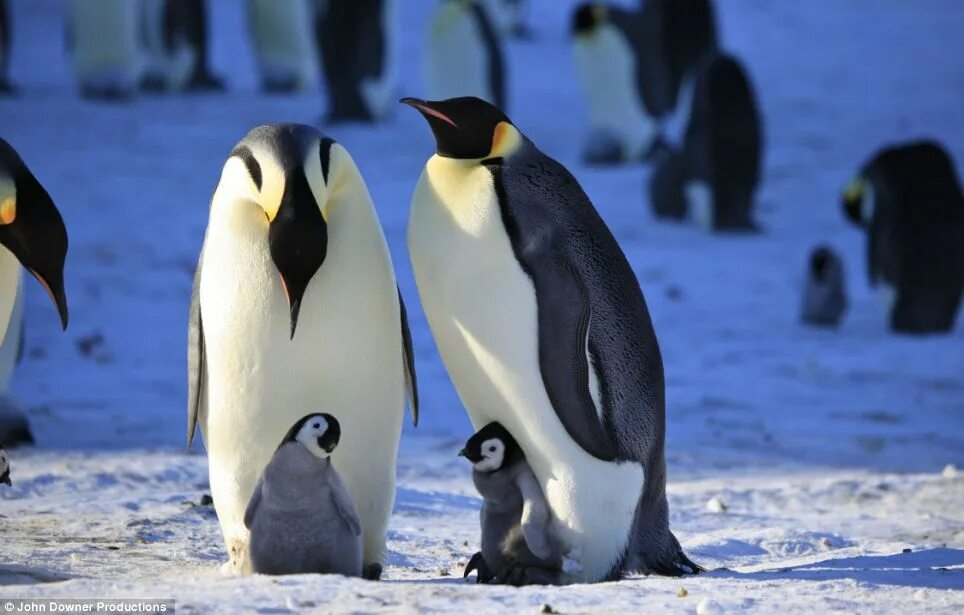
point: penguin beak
(853, 200)
(298, 241)
(464, 452)
(35, 233)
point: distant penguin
(723, 147)
(355, 41)
(619, 76)
(463, 53)
(4, 468)
(105, 45)
(825, 293)
(542, 327)
(286, 52)
(5, 86)
(667, 182)
(301, 515)
(32, 235)
(909, 200)
(519, 543)
(295, 305)
(509, 17)
(176, 40)
(681, 34)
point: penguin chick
(4, 467)
(824, 296)
(519, 545)
(301, 516)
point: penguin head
(31, 227)
(587, 17)
(857, 203)
(4, 467)
(319, 433)
(824, 263)
(491, 449)
(468, 128)
(292, 173)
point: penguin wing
(411, 380)
(535, 515)
(253, 504)
(195, 354)
(343, 503)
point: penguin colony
(551, 347)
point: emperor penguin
(510, 17)
(4, 468)
(908, 199)
(825, 293)
(519, 543)
(618, 72)
(543, 328)
(32, 236)
(105, 45)
(463, 53)
(301, 515)
(286, 52)
(355, 42)
(176, 41)
(295, 307)
(5, 86)
(723, 147)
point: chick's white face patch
(493, 453)
(311, 432)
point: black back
(4, 46)
(724, 141)
(353, 47)
(493, 48)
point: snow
(827, 453)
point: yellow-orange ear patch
(505, 139)
(8, 210)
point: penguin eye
(491, 449)
(317, 425)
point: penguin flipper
(343, 503)
(535, 515)
(195, 354)
(411, 380)
(252, 509)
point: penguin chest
(456, 59)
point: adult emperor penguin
(105, 45)
(723, 147)
(619, 75)
(543, 328)
(281, 32)
(5, 87)
(295, 307)
(909, 200)
(32, 234)
(463, 53)
(4, 468)
(176, 39)
(355, 41)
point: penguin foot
(14, 428)
(280, 85)
(478, 564)
(603, 149)
(372, 572)
(518, 576)
(111, 94)
(680, 566)
(205, 82)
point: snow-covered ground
(802, 463)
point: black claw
(372, 572)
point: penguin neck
(10, 273)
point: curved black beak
(298, 240)
(464, 452)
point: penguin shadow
(940, 568)
(412, 501)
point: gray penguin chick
(519, 544)
(824, 296)
(301, 515)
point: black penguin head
(492, 448)
(31, 227)
(823, 262)
(856, 202)
(587, 17)
(286, 171)
(4, 467)
(466, 128)
(319, 433)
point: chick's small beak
(464, 452)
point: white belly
(482, 310)
(345, 358)
(606, 70)
(11, 313)
(456, 59)
(283, 40)
(106, 43)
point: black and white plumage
(32, 237)
(464, 52)
(301, 515)
(519, 543)
(909, 200)
(713, 180)
(295, 304)
(5, 35)
(105, 44)
(355, 41)
(825, 292)
(283, 43)
(4, 468)
(543, 328)
(176, 42)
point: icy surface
(802, 462)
